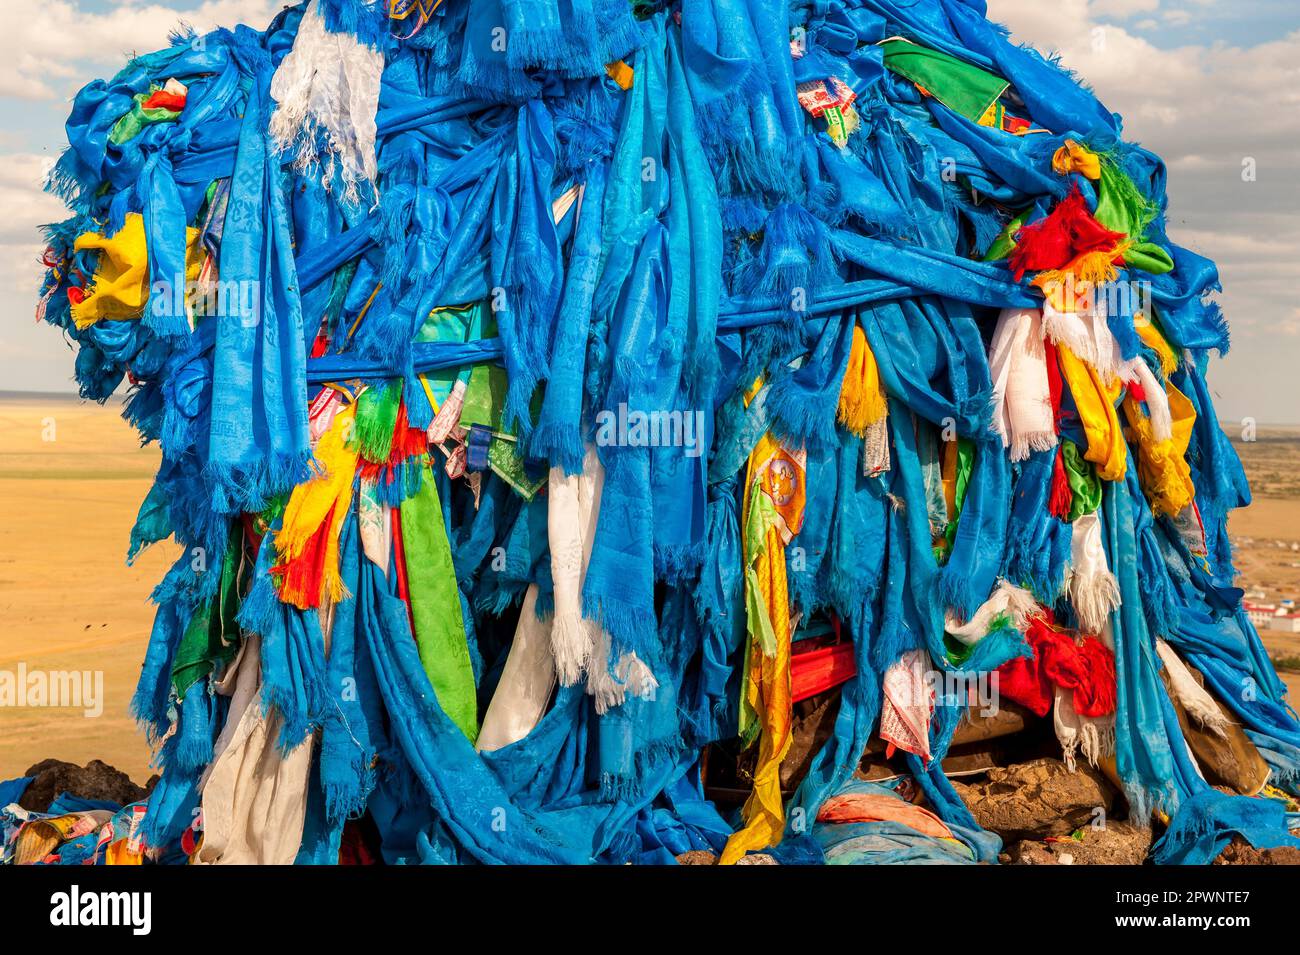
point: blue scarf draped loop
(258, 446)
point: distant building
(1260, 614)
(1285, 623)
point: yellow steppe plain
(72, 476)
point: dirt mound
(1239, 852)
(1039, 799)
(95, 780)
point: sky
(1211, 86)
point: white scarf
(907, 705)
(328, 83)
(573, 503)
(526, 682)
(1022, 398)
(1094, 736)
(1017, 603)
(254, 797)
(1093, 589)
(1194, 698)
(1153, 391)
(568, 645)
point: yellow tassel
(1089, 269)
(862, 396)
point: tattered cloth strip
(254, 794)
(1062, 240)
(573, 502)
(326, 92)
(963, 88)
(852, 806)
(869, 824)
(1018, 365)
(862, 396)
(120, 290)
(1084, 332)
(1163, 470)
(526, 683)
(1094, 592)
(307, 544)
(1080, 664)
(1094, 400)
(1008, 604)
(907, 704)
(435, 603)
(1192, 696)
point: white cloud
(1207, 110)
(1122, 9)
(40, 35)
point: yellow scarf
(1095, 401)
(325, 497)
(121, 286)
(1162, 465)
(773, 513)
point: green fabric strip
(1085, 486)
(435, 607)
(130, 125)
(964, 89)
(1121, 207)
(204, 644)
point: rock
(1120, 843)
(1034, 800)
(697, 857)
(1239, 852)
(756, 858)
(95, 780)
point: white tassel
(1021, 396)
(1093, 589)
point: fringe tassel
(376, 420)
(862, 397)
(1062, 497)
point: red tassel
(1062, 497)
(301, 579)
(1055, 241)
(1136, 391)
(1054, 384)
